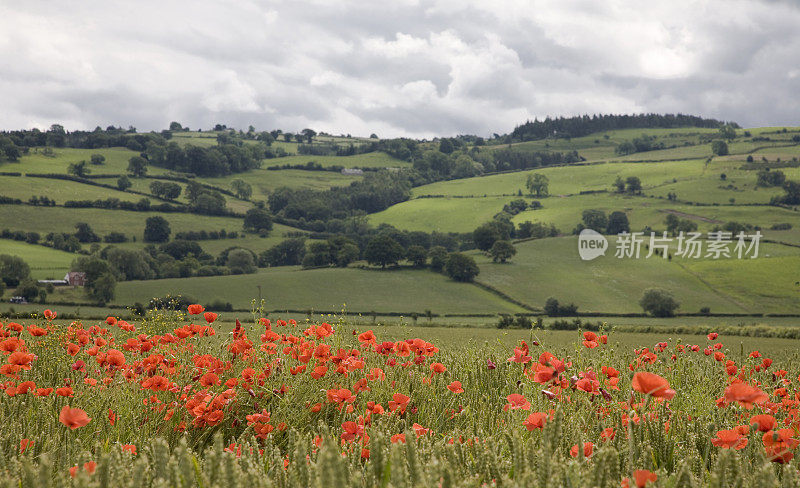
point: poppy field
(172, 401)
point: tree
(84, 233)
(242, 189)
(240, 261)
(446, 146)
(98, 159)
(538, 184)
(719, 147)
(137, 166)
(438, 257)
(792, 189)
(156, 229)
(257, 220)
(28, 288)
(286, 253)
(78, 169)
(486, 235)
(461, 267)
(595, 219)
(13, 269)
(502, 251)
(658, 302)
(383, 250)
(617, 223)
(634, 184)
(308, 134)
(619, 185)
(175, 126)
(123, 183)
(102, 289)
(418, 255)
(727, 132)
(672, 222)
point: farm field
(265, 181)
(328, 290)
(116, 161)
(610, 284)
(45, 263)
(56, 219)
(23, 188)
(475, 379)
(367, 160)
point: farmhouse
(352, 171)
(72, 278)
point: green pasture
(329, 289)
(24, 187)
(265, 181)
(36, 162)
(45, 263)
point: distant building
(75, 278)
(54, 282)
(352, 171)
(19, 300)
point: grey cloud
(420, 69)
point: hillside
(440, 202)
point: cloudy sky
(405, 67)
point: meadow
(329, 289)
(178, 399)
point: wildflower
(588, 449)
(779, 444)
(652, 384)
(73, 418)
(763, 422)
(455, 387)
(24, 444)
(535, 420)
(210, 317)
(129, 448)
(49, 314)
(731, 439)
(195, 309)
(745, 394)
(420, 430)
(399, 401)
(398, 438)
(437, 368)
(516, 402)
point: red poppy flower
(455, 387)
(643, 476)
(535, 420)
(745, 394)
(730, 439)
(73, 418)
(516, 402)
(588, 449)
(195, 309)
(652, 384)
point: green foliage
(258, 220)
(502, 251)
(13, 269)
(461, 267)
(538, 184)
(658, 302)
(383, 250)
(137, 166)
(719, 147)
(156, 229)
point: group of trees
(639, 144)
(567, 127)
(597, 220)
(631, 184)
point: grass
(328, 289)
(368, 160)
(265, 181)
(440, 214)
(606, 284)
(116, 161)
(45, 263)
(62, 190)
(57, 219)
